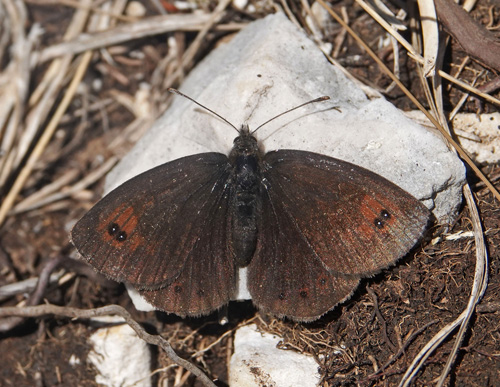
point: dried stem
(73, 313)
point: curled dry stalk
(480, 278)
(116, 310)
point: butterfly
(308, 227)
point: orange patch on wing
(370, 208)
(126, 219)
(104, 223)
(372, 211)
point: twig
(412, 337)
(490, 307)
(125, 32)
(43, 280)
(37, 295)
(380, 318)
(474, 38)
(53, 192)
(75, 313)
(25, 286)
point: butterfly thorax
(245, 157)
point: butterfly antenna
(175, 91)
(320, 99)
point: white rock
(257, 362)
(478, 134)
(266, 69)
(120, 357)
(270, 67)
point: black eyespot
(200, 292)
(121, 236)
(380, 222)
(281, 296)
(322, 281)
(113, 228)
(177, 289)
(115, 231)
(303, 293)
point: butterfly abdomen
(245, 159)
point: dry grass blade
(414, 54)
(126, 32)
(430, 35)
(55, 191)
(23, 147)
(468, 87)
(190, 53)
(14, 80)
(478, 289)
(480, 281)
(44, 140)
(388, 27)
(116, 310)
(445, 134)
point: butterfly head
(245, 144)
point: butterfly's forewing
(336, 222)
(166, 232)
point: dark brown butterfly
(307, 226)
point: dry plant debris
(86, 78)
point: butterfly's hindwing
(325, 224)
